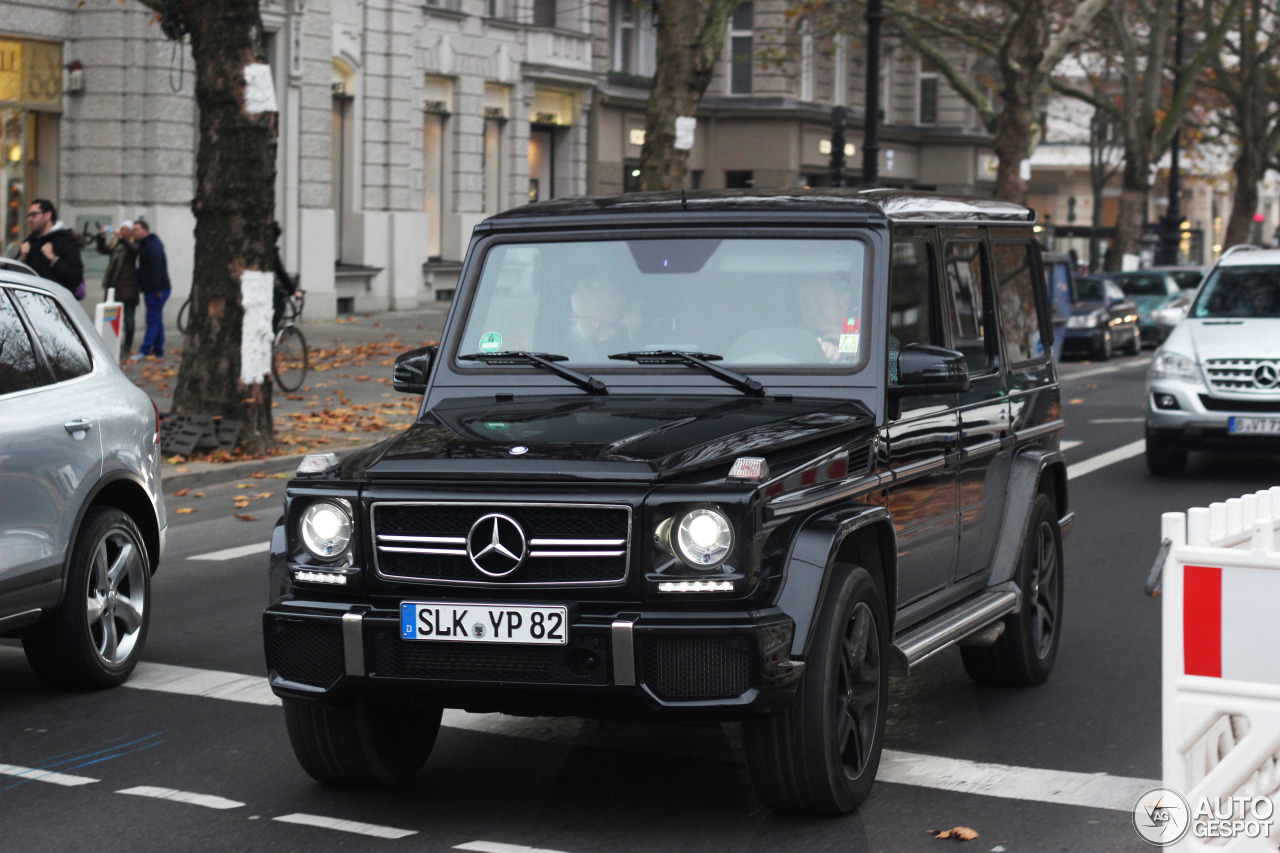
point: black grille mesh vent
(397, 658)
(306, 652)
(706, 667)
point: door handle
(81, 425)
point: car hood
(1086, 307)
(1147, 304)
(613, 437)
(1226, 338)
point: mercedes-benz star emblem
(496, 545)
(1266, 375)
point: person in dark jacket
(153, 284)
(51, 248)
(121, 274)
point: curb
(216, 473)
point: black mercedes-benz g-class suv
(723, 456)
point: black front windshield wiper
(545, 360)
(694, 359)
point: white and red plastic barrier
(1221, 670)
(107, 319)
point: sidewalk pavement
(345, 403)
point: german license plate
(1254, 426)
(484, 623)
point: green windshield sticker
(496, 425)
(490, 342)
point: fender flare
(813, 549)
(1025, 476)
(92, 498)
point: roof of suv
(1251, 258)
(864, 205)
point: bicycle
(289, 347)
(183, 315)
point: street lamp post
(1171, 222)
(839, 118)
(871, 137)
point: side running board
(924, 641)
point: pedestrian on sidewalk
(153, 284)
(51, 248)
(121, 274)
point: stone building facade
(403, 123)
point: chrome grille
(1239, 375)
(564, 543)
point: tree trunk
(233, 206)
(689, 44)
(1135, 192)
(1244, 204)
(1012, 143)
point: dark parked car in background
(1153, 290)
(1102, 320)
(82, 521)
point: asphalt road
(192, 755)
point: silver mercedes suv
(1215, 382)
(82, 521)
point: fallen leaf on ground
(176, 460)
(243, 486)
(1076, 402)
(258, 475)
(246, 517)
(261, 495)
(957, 833)
(282, 476)
(181, 493)
(184, 510)
(198, 495)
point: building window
(806, 61)
(630, 176)
(840, 72)
(437, 96)
(741, 37)
(342, 164)
(496, 99)
(927, 92)
(739, 180)
(635, 43)
(544, 13)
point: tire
(1103, 351)
(96, 636)
(289, 358)
(819, 756)
(184, 316)
(367, 742)
(1163, 459)
(1024, 654)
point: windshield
(1244, 291)
(1089, 289)
(1142, 285)
(751, 302)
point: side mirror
(927, 369)
(1116, 300)
(412, 369)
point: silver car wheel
(117, 596)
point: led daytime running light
(320, 577)
(695, 586)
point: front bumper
(1203, 419)
(710, 665)
(1078, 340)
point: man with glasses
(51, 248)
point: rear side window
(67, 355)
(1015, 291)
(966, 277)
(18, 370)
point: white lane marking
(166, 678)
(37, 775)
(1098, 371)
(1118, 421)
(209, 801)
(499, 847)
(352, 826)
(1067, 445)
(1098, 790)
(1093, 790)
(1102, 460)
(234, 553)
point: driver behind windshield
(828, 308)
(602, 319)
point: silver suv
(82, 521)
(1215, 383)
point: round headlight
(326, 529)
(704, 538)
